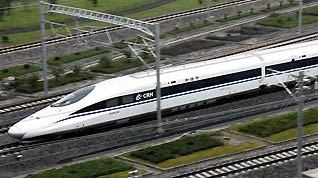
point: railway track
(242, 166)
(32, 103)
(37, 44)
(171, 126)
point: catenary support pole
(158, 88)
(44, 51)
(300, 102)
(208, 9)
(300, 18)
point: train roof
(234, 63)
(221, 66)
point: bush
(24, 85)
(5, 39)
(274, 15)
(180, 147)
(95, 168)
(26, 66)
(57, 72)
(77, 69)
(104, 61)
(76, 56)
(127, 53)
(5, 70)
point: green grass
(292, 133)
(18, 70)
(20, 30)
(311, 11)
(206, 154)
(26, 87)
(2, 98)
(201, 155)
(287, 22)
(24, 23)
(274, 8)
(122, 174)
(280, 127)
(17, 17)
(88, 169)
(177, 6)
(77, 56)
(236, 17)
(119, 65)
(190, 27)
(181, 147)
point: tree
(33, 80)
(251, 10)
(239, 13)
(95, 2)
(127, 53)
(57, 72)
(104, 61)
(268, 6)
(2, 11)
(77, 70)
(5, 5)
(5, 39)
(200, 1)
(225, 16)
(281, 3)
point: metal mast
(44, 51)
(300, 118)
(300, 18)
(150, 29)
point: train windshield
(73, 97)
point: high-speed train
(123, 99)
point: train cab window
(112, 102)
(128, 99)
(74, 97)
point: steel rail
(171, 126)
(260, 161)
(31, 45)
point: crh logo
(138, 97)
(144, 96)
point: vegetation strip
(95, 168)
(18, 70)
(180, 147)
(290, 21)
(108, 66)
(58, 60)
(32, 84)
(187, 150)
(15, 32)
(281, 127)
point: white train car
(123, 99)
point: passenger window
(128, 99)
(112, 102)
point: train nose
(15, 132)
